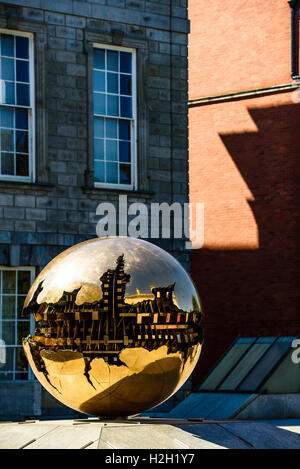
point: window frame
(133, 120)
(31, 376)
(31, 111)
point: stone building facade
(244, 120)
(93, 104)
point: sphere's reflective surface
(117, 326)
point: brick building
(244, 163)
(93, 105)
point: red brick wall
(244, 165)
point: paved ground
(145, 433)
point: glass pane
(7, 140)
(99, 59)
(6, 376)
(99, 171)
(112, 173)
(7, 92)
(125, 83)
(112, 105)
(7, 117)
(22, 168)
(99, 149)
(126, 107)
(20, 304)
(99, 81)
(8, 332)
(99, 127)
(112, 83)
(113, 60)
(9, 281)
(22, 47)
(21, 376)
(23, 281)
(111, 150)
(8, 69)
(125, 174)
(21, 360)
(21, 141)
(7, 45)
(124, 148)
(124, 130)
(23, 330)
(111, 128)
(99, 103)
(7, 163)
(9, 360)
(22, 94)
(23, 71)
(8, 307)
(21, 119)
(125, 62)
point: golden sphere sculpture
(117, 326)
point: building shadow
(255, 292)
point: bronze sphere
(117, 326)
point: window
(16, 106)
(14, 286)
(114, 116)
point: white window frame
(31, 376)
(31, 112)
(133, 147)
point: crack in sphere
(117, 326)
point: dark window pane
(7, 45)
(99, 81)
(7, 140)
(7, 163)
(7, 69)
(99, 59)
(99, 127)
(111, 128)
(124, 148)
(9, 360)
(23, 330)
(112, 83)
(7, 117)
(21, 360)
(125, 174)
(125, 83)
(24, 281)
(126, 107)
(112, 173)
(99, 171)
(98, 149)
(20, 304)
(8, 332)
(8, 307)
(111, 150)
(112, 105)
(21, 376)
(8, 92)
(112, 60)
(22, 47)
(23, 71)
(124, 130)
(21, 141)
(22, 168)
(21, 119)
(125, 62)
(22, 94)
(6, 376)
(9, 281)
(99, 103)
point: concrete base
(146, 433)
